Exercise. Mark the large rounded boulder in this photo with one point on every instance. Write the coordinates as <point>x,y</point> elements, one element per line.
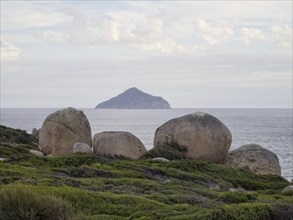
<point>204,136</point>
<point>255,158</point>
<point>117,143</point>
<point>62,129</point>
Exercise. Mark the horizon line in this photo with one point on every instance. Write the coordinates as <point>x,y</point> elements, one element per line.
<point>291,107</point>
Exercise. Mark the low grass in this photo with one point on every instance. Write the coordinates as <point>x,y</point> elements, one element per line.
<point>18,202</point>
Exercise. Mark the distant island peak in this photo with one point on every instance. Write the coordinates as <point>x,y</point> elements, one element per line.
<point>133,98</point>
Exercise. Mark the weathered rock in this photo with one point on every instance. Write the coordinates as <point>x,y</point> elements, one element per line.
<point>213,186</point>
<point>118,144</point>
<point>255,158</point>
<point>35,133</point>
<point>288,190</point>
<point>160,159</point>
<point>36,153</point>
<point>204,136</point>
<point>82,147</point>
<point>157,175</point>
<point>62,129</point>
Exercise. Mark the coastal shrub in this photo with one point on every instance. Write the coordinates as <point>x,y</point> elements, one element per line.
<point>88,172</point>
<point>22,149</point>
<point>17,136</point>
<point>74,160</point>
<point>234,176</point>
<point>9,179</point>
<point>82,216</point>
<point>254,211</point>
<point>282,212</point>
<point>133,186</point>
<point>288,193</point>
<point>251,181</point>
<point>21,203</point>
<point>7,150</point>
<point>172,151</point>
<point>105,202</point>
<point>236,197</point>
<point>102,188</point>
<point>178,211</point>
<point>23,138</point>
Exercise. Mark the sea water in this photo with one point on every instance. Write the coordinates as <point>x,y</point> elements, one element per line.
<point>271,128</point>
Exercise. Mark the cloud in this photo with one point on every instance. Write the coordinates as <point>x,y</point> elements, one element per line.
<point>214,33</point>
<point>25,14</point>
<point>9,52</point>
<point>280,35</point>
<point>53,36</point>
<point>150,26</point>
<point>229,10</point>
<point>166,46</point>
<point>91,30</point>
<point>121,27</point>
<point>249,34</point>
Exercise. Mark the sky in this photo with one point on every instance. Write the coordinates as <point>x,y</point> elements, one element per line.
<point>195,54</point>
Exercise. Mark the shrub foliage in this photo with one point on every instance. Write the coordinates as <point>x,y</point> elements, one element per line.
<point>21,203</point>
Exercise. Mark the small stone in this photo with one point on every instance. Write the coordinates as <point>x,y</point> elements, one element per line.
<point>166,181</point>
<point>82,147</point>
<point>214,186</point>
<point>160,159</point>
<point>238,189</point>
<point>37,153</point>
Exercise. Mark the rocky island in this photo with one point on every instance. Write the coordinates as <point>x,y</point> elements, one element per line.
<point>134,98</point>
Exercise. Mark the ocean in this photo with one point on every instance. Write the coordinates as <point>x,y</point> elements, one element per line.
<point>271,128</point>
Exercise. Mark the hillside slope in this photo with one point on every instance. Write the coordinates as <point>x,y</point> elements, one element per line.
<point>94,187</point>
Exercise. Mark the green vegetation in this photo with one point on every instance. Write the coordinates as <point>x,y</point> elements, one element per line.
<point>237,197</point>
<point>18,202</point>
<point>84,187</point>
<point>17,136</point>
<point>172,151</point>
<point>243,211</point>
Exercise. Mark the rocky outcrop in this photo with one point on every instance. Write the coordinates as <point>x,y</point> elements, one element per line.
<point>255,158</point>
<point>37,153</point>
<point>62,129</point>
<point>35,133</point>
<point>83,148</point>
<point>133,98</point>
<point>118,144</point>
<point>204,136</point>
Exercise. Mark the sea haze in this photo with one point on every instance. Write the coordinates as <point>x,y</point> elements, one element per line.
<point>271,128</point>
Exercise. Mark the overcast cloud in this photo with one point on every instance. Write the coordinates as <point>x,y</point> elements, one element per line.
<point>194,54</point>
